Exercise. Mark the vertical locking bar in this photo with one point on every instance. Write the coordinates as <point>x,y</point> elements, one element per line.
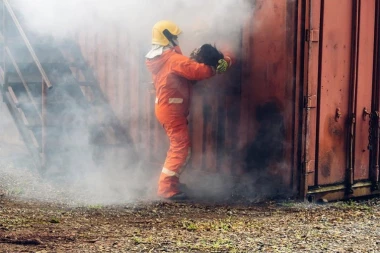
<point>353,96</point>
<point>375,152</point>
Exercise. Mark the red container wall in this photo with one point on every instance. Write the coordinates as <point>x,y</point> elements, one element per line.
<point>340,54</point>
<point>334,91</point>
<point>119,65</point>
<point>364,90</point>
<point>220,142</point>
<point>270,92</point>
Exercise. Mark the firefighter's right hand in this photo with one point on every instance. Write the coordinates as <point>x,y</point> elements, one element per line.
<point>222,66</point>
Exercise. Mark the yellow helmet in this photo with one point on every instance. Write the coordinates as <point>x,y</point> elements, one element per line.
<point>159,36</point>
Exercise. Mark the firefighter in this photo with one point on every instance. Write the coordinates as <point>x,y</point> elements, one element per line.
<point>173,76</point>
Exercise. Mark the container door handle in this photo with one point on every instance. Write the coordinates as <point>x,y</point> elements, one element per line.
<point>365,113</point>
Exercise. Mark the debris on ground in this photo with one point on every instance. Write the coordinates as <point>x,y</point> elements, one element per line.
<point>36,216</point>
<point>183,227</point>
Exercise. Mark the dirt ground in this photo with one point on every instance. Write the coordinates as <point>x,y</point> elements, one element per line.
<point>37,215</point>
<point>29,226</point>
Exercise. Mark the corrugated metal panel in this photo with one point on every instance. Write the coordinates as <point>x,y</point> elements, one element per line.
<point>213,123</point>
<point>364,90</point>
<point>335,78</point>
<point>269,92</point>
<point>340,75</point>
<point>119,64</point>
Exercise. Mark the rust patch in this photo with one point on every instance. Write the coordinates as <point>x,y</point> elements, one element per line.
<point>335,129</point>
<point>334,133</point>
<point>326,164</point>
<point>269,144</point>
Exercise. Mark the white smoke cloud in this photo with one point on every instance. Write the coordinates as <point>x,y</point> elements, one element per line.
<point>203,21</point>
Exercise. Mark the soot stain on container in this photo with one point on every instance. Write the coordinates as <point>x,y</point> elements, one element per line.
<point>335,129</point>
<point>335,133</point>
<point>326,162</point>
<point>268,146</point>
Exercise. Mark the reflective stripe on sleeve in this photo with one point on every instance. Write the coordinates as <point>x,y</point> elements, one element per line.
<point>175,100</point>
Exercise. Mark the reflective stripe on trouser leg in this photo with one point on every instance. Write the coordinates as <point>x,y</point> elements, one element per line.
<point>169,172</point>
<point>177,157</point>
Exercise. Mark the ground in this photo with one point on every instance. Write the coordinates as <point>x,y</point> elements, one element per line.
<point>31,226</point>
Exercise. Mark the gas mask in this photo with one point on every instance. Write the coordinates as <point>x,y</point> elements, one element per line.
<point>207,54</point>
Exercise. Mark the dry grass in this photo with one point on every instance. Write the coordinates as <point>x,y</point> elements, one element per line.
<point>190,227</point>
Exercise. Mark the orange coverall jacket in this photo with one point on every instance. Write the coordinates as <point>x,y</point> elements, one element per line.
<point>173,74</point>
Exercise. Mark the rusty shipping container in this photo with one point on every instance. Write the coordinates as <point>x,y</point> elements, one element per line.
<point>298,114</point>
<point>301,107</point>
<point>342,84</point>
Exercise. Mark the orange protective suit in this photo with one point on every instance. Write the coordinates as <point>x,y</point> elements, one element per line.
<point>173,76</point>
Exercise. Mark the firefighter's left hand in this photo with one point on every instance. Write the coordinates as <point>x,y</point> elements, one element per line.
<point>222,66</point>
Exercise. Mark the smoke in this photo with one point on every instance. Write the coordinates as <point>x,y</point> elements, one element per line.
<point>201,21</point>
<point>80,170</point>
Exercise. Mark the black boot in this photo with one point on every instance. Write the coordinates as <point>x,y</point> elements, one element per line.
<point>179,197</point>
<point>183,188</point>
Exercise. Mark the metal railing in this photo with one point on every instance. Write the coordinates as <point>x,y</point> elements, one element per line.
<point>27,43</point>
<point>45,80</point>
<point>22,80</point>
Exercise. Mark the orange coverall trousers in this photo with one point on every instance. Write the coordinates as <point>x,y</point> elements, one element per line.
<point>177,157</point>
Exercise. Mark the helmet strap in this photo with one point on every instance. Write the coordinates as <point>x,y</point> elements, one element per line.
<point>169,36</point>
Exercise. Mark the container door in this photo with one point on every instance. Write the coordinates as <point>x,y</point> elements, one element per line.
<point>365,70</point>
<point>340,44</point>
<point>335,88</point>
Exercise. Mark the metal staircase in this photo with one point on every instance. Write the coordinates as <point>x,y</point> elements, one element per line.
<point>54,97</point>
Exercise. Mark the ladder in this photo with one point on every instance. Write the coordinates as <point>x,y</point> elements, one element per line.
<point>54,98</point>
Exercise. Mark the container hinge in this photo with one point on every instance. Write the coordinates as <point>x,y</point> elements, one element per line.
<point>310,101</point>
<point>312,35</point>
